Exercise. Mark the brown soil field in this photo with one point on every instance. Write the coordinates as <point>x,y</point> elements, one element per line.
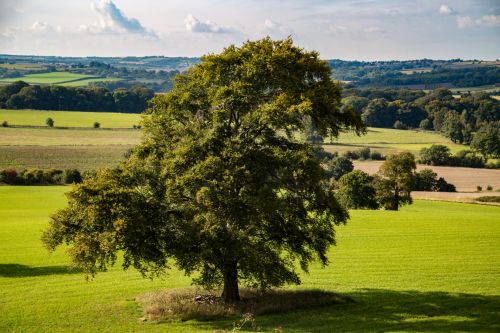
<point>464,179</point>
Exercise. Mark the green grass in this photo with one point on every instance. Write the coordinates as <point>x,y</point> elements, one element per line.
<point>70,118</point>
<point>67,137</point>
<point>431,267</point>
<point>61,78</point>
<point>85,82</point>
<point>391,140</point>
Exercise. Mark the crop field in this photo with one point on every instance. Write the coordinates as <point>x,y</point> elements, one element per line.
<point>24,66</point>
<point>388,140</point>
<point>413,270</point>
<point>465,179</point>
<point>62,78</point>
<point>82,149</point>
<point>70,118</point>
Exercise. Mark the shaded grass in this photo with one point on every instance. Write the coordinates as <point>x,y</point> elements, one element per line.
<point>61,157</point>
<point>186,304</point>
<point>48,78</point>
<point>70,118</point>
<point>432,266</point>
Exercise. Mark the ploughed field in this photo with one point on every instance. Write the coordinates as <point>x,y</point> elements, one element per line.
<point>433,266</point>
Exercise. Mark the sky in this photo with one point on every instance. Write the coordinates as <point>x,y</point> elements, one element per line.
<point>338,29</point>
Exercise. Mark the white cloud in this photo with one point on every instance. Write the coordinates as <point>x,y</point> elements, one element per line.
<point>490,20</point>
<point>486,20</point>
<point>273,29</point>
<point>112,20</point>
<point>194,25</point>
<point>373,30</point>
<point>465,22</point>
<point>446,10</point>
<point>39,27</point>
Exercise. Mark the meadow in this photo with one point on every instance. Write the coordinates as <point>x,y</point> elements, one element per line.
<point>418,269</point>
<point>70,118</point>
<point>388,140</point>
<point>61,78</point>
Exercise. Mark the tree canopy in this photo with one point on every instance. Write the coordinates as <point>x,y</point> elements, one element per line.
<point>219,186</point>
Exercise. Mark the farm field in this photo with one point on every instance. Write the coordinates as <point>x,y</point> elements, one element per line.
<point>413,270</point>
<point>70,118</point>
<point>465,179</point>
<point>388,140</point>
<point>83,149</point>
<point>62,78</point>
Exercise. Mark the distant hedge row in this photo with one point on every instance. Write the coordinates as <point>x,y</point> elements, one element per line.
<point>40,177</point>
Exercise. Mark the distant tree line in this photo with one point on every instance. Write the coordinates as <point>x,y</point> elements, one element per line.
<point>20,95</point>
<point>456,118</point>
<point>35,176</point>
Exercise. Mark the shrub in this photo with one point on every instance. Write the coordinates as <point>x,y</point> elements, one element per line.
<point>5,123</point>
<point>426,124</point>
<point>8,176</point>
<point>400,125</point>
<point>489,188</point>
<point>443,186</point>
<point>376,156</point>
<point>97,125</point>
<point>435,155</point>
<point>479,188</point>
<point>489,199</point>
<point>352,155</point>
<point>338,166</point>
<point>50,122</point>
<point>72,176</point>
<point>364,153</point>
<point>469,159</point>
<point>356,191</point>
<point>425,180</point>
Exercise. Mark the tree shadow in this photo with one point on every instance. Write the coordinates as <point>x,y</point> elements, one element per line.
<point>17,270</point>
<point>378,310</point>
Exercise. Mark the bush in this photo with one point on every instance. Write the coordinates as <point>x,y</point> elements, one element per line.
<point>435,155</point>
<point>493,165</point>
<point>400,125</point>
<point>72,176</point>
<point>352,155</point>
<point>50,122</point>
<point>376,156</point>
<point>5,124</point>
<point>426,124</point>
<point>364,153</point>
<point>427,180</point>
<point>8,176</point>
<point>338,166</point>
<point>97,125</point>
<point>479,188</point>
<point>489,199</point>
<point>356,191</point>
<point>469,159</point>
<point>489,188</point>
<point>443,186</point>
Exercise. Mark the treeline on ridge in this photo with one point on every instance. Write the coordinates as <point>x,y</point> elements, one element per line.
<point>20,95</point>
<point>456,118</point>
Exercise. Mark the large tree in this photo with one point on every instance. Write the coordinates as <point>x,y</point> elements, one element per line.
<point>219,186</point>
<point>487,140</point>
<point>395,180</point>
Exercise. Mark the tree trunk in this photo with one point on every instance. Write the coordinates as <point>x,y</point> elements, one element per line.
<point>231,292</point>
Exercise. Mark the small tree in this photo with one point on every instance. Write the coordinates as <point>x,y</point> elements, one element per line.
<point>5,123</point>
<point>220,185</point>
<point>338,166</point>
<point>356,191</point>
<point>395,180</point>
<point>487,140</point>
<point>49,122</point>
<point>97,125</point>
<point>435,155</point>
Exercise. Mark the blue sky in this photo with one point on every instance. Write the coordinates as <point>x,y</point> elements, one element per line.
<point>358,29</point>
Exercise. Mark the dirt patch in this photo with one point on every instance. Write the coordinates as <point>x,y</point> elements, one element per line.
<point>464,179</point>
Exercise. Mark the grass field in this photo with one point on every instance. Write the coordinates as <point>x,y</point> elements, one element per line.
<point>388,140</point>
<point>413,270</point>
<point>70,118</point>
<point>61,78</point>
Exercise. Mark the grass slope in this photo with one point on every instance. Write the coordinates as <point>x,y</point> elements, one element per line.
<point>391,140</point>
<point>413,270</point>
<point>70,118</point>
